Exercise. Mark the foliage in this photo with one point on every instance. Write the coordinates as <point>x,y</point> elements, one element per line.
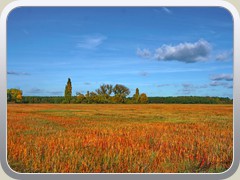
<point>14,95</point>
<point>136,96</point>
<point>190,100</point>
<point>80,98</point>
<point>105,90</point>
<point>143,99</point>
<point>120,93</point>
<point>43,99</point>
<point>109,94</point>
<point>68,91</point>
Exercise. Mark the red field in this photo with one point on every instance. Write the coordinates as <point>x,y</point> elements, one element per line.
<point>119,138</point>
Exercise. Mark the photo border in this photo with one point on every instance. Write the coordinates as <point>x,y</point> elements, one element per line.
<point>126,3</point>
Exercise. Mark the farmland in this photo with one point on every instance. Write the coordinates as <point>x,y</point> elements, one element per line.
<point>119,138</point>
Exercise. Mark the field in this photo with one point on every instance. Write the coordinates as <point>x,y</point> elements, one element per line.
<point>120,138</point>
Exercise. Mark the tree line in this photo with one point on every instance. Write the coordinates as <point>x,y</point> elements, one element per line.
<point>190,100</point>
<point>105,94</point>
<point>110,94</point>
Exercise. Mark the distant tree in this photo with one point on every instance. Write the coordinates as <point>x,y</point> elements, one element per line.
<point>87,97</point>
<point>9,96</point>
<point>136,96</point>
<point>105,90</point>
<point>120,93</point>
<point>68,91</point>
<point>93,97</point>
<point>143,99</point>
<point>80,97</point>
<point>14,95</point>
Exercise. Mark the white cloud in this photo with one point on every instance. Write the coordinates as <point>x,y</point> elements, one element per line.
<point>220,77</point>
<point>220,83</point>
<point>17,73</point>
<point>188,88</point>
<point>217,83</point>
<point>167,10</point>
<point>145,53</point>
<point>183,52</point>
<point>91,42</point>
<point>226,55</point>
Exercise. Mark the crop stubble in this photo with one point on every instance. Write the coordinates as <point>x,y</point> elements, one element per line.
<point>119,138</point>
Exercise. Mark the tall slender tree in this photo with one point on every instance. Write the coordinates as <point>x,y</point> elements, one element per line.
<point>68,91</point>
<point>136,96</point>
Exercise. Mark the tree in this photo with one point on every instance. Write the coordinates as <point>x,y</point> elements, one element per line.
<point>68,91</point>
<point>104,92</point>
<point>87,97</point>
<point>121,92</point>
<point>143,99</point>
<point>14,95</point>
<point>80,97</point>
<point>93,97</point>
<point>136,96</point>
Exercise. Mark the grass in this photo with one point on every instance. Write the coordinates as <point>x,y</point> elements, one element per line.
<point>161,138</point>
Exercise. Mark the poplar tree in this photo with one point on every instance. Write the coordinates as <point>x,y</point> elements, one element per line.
<point>68,91</point>
<point>136,96</point>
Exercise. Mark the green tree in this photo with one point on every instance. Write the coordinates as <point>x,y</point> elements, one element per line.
<point>136,96</point>
<point>68,91</point>
<point>143,99</point>
<point>120,93</point>
<point>87,96</point>
<point>80,97</point>
<point>93,97</point>
<point>104,92</point>
<point>14,95</point>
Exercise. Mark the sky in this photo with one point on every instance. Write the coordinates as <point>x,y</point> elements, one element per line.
<point>163,51</point>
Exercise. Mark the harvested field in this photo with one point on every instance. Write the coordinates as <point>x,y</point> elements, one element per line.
<point>119,138</point>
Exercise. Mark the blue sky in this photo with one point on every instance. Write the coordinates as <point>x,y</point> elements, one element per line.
<point>164,51</point>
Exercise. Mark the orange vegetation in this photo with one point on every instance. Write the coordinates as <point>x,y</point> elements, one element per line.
<point>120,138</point>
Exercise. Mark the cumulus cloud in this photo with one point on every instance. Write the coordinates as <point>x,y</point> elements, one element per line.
<point>227,55</point>
<point>224,80</point>
<point>183,52</point>
<point>91,42</point>
<point>17,73</point>
<point>222,77</point>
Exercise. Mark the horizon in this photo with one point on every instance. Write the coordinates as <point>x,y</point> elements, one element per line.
<point>163,51</point>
